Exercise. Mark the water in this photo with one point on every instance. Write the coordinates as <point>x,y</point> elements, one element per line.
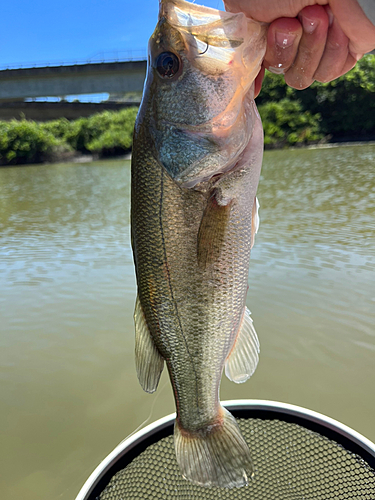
<point>69,392</point>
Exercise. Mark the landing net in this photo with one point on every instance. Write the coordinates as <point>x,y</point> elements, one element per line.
<point>294,459</point>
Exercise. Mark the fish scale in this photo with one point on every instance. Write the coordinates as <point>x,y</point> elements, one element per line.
<point>192,226</point>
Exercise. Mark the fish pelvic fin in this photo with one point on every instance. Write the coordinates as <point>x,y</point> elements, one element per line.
<point>244,356</point>
<point>216,455</point>
<point>148,361</point>
<point>212,231</point>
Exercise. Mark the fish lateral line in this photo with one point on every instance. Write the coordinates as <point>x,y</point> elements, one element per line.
<point>162,173</point>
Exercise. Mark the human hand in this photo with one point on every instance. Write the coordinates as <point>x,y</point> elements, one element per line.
<point>310,42</point>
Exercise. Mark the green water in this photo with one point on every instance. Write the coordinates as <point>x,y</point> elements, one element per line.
<point>69,392</point>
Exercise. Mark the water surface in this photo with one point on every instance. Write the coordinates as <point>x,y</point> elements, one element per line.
<point>68,388</point>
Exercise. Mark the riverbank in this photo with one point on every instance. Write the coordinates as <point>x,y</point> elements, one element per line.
<point>81,158</point>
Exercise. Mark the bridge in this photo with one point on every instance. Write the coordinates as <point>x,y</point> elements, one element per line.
<point>20,84</point>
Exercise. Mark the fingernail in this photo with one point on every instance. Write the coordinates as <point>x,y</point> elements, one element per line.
<point>284,40</point>
<point>277,70</point>
<point>309,26</point>
<point>355,54</point>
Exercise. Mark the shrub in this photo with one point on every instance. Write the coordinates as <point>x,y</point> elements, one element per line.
<point>58,128</point>
<point>27,142</point>
<point>346,105</point>
<point>285,123</point>
<point>103,133</point>
<point>114,135</point>
<point>106,133</point>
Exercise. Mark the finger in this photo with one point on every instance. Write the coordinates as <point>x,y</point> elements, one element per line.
<point>335,53</point>
<point>268,11</point>
<point>283,39</point>
<point>314,20</point>
<point>356,26</point>
<point>258,82</point>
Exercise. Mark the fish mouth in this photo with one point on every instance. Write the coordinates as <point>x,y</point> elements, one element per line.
<point>227,38</point>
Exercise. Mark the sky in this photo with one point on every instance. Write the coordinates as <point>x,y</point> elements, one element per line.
<point>42,31</point>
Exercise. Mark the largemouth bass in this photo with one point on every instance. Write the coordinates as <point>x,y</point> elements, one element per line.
<point>196,161</point>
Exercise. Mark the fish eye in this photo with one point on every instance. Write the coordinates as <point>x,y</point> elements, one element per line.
<point>167,64</point>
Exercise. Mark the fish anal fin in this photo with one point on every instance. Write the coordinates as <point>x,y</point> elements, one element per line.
<point>216,455</point>
<point>212,231</point>
<point>148,361</point>
<point>244,356</point>
<point>254,221</point>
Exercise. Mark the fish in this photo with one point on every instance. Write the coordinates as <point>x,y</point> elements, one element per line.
<point>196,160</point>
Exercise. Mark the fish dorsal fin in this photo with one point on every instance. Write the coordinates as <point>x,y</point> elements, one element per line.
<point>254,221</point>
<point>243,358</point>
<point>148,361</point>
<point>212,232</point>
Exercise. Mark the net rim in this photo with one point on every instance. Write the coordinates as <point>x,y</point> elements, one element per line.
<point>253,405</point>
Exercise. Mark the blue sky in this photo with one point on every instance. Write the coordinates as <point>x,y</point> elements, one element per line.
<point>51,31</point>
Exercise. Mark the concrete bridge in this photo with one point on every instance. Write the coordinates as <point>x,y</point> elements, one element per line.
<point>16,85</point>
<point>60,81</point>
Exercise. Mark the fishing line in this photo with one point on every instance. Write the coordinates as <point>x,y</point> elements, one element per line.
<point>150,414</point>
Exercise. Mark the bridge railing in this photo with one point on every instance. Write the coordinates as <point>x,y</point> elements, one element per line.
<point>97,58</point>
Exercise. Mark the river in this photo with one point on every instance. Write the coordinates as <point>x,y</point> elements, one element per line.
<point>69,393</point>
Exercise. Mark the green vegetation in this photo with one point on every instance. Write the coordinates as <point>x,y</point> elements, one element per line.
<point>106,134</point>
<point>26,142</point>
<point>286,123</point>
<point>340,110</point>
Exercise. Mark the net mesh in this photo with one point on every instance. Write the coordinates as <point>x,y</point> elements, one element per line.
<point>291,463</point>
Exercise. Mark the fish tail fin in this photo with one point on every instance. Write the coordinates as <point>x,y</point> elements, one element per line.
<point>216,455</point>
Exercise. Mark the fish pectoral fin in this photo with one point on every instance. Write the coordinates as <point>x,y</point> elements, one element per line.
<point>216,455</point>
<point>244,356</point>
<point>254,221</point>
<point>148,361</point>
<point>212,231</point>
